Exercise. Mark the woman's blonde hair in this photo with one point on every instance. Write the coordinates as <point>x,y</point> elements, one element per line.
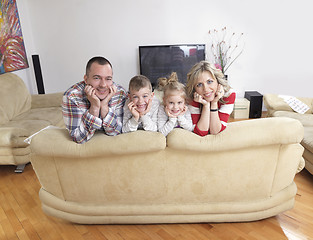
<point>198,69</point>
<point>171,84</point>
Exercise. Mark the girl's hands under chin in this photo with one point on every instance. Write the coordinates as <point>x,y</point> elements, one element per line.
<point>168,113</point>
<point>183,111</point>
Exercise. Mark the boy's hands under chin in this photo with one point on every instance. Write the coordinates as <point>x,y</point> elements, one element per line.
<point>147,109</point>
<point>133,109</point>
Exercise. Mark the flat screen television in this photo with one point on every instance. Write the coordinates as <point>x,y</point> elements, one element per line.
<point>162,60</point>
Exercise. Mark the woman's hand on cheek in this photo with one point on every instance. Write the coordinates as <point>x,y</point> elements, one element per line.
<point>198,98</point>
<point>219,93</point>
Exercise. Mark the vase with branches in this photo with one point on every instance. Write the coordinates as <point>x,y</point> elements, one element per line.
<point>224,48</point>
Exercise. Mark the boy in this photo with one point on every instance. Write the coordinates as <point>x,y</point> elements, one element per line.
<point>141,107</point>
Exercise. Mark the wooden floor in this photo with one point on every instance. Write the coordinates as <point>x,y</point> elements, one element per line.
<point>21,217</point>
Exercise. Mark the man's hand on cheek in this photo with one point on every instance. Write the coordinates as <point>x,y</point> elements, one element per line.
<point>91,95</point>
<point>93,99</point>
<point>112,91</point>
<point>105,102</point>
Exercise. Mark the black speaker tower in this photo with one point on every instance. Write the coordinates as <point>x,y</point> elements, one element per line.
<point>256,102</point>
<point>38,74</point>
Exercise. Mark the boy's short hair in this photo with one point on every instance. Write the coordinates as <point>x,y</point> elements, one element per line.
<point>138,82</point>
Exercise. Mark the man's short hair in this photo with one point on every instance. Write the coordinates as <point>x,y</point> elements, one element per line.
<point>99,60</point>
<point>138,82</point>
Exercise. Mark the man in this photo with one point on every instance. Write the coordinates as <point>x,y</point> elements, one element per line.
<point>95,103</point>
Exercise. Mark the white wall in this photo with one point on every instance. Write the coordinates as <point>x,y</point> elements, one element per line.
<point>27,74</point>
<point>65,34</point>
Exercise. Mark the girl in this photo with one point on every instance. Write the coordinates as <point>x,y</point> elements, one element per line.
<point>174,111</point>
<point>212,98</point>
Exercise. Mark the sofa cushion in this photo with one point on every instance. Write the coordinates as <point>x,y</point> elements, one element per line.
<point>138,142</point>
<point>275,103</point>
<point>31,125</point>
<point>269,131</point>
<point>307,141</point>
<point>305,119</point>
<point>53,115</point>
<point>14,97</point>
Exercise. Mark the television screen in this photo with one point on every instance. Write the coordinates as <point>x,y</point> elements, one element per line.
<point>161,61</point>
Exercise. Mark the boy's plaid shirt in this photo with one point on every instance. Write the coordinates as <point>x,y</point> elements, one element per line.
<point>81,124</point>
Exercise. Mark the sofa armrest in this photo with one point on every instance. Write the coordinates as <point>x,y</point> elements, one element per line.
<point>13,137</point>
<point>47,100</point>
<point>241,134</point>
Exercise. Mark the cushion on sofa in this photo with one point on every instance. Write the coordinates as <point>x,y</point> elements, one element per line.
<point>47,100</point>
<point>305,119</point>
<point>53,115</point>
<point>12,137</point>
<point>14,97</point>
<point>100,144</point>
<point>269,131</point>
<point>307,141</point>
<point>32,126</point>
<point>275,103</point>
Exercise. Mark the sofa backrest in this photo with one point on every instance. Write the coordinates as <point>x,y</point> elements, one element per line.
<point>14,97</point>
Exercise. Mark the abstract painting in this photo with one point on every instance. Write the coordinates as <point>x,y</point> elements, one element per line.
<point>12,49</point>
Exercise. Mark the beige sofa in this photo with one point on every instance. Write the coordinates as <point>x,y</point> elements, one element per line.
<point>277,107</point>
<point>244,173</point>
<point>21,115</point>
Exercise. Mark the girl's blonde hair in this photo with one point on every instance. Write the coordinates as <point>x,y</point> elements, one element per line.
<point>198,69</point>
<point>171,84</point>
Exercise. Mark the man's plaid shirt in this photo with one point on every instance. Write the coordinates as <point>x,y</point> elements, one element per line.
<point>81,124</point>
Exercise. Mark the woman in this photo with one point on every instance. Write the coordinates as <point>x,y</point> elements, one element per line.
<point>212,99</point>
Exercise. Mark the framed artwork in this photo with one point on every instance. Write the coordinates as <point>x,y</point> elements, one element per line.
<point>12,49</point>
